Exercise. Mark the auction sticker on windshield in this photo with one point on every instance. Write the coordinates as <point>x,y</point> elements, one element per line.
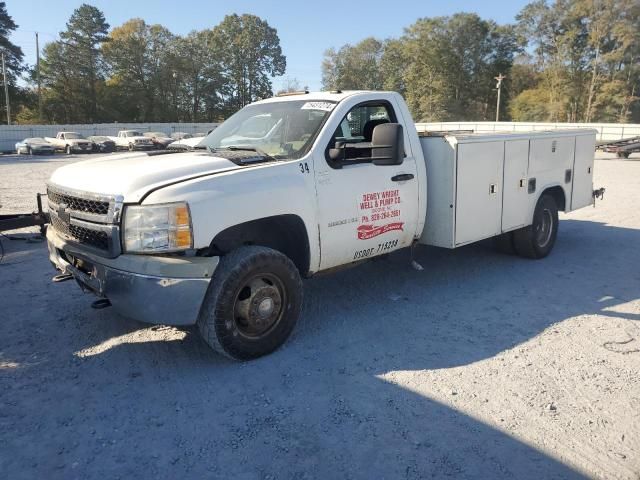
<point>324,106</point>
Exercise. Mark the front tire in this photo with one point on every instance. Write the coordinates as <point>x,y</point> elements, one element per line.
<point>131,147</point>
<point>252,304</point>
<point>537,240</point>
<point>29,151</point>
<point>67,150</point>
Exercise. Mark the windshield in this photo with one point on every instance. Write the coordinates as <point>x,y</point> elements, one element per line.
<point>283,130</point>
<point>71,136</point>
<point>133,133</point>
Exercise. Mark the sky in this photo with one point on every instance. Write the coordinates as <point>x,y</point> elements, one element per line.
<point>306,29</point>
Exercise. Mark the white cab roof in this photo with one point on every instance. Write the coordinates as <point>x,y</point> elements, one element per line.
<point>334,96</point>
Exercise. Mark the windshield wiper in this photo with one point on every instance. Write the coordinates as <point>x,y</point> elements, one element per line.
<point>247,148</point>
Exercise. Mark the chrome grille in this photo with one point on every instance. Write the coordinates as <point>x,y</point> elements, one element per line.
<point>82,235</point>
<point>87,219</point>
<point>86,205</point>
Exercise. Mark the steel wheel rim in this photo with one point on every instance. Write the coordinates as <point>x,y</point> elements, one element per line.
<point>544,228</point>
<point>258,306</point>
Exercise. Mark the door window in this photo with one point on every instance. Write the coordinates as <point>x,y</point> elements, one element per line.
<point>355,132</point>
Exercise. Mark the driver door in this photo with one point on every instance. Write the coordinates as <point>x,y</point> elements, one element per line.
<point>364,209</point>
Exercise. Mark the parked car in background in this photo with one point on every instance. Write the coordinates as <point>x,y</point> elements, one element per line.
<point>159,139</point>
<point>102,144</point>
<point>132,140</point>
<point>70,142</point>
<point>180,135</point>
<point>33,146</point>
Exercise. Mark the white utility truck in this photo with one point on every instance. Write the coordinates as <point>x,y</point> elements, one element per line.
<point>221,236</point>
<point>132,140</point>
<point>70,142</point>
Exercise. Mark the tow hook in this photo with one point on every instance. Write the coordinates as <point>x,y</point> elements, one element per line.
<point>101,303</point>
<point>63,277</point>
<point>598,194</point>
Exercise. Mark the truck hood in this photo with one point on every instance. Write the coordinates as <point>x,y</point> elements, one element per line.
<point>135,174</point>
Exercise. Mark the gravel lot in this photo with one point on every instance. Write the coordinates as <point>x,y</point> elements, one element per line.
<point>481,366</point>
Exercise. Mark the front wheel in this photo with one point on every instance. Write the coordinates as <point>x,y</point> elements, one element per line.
<point>252,304</point>
<point>67,150</point>
<point>29,151</point>
<point>131,147</point>
<point>537,240</point>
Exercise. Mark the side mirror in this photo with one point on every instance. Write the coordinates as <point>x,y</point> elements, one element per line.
<point>337,153</point>
<point>387,144</point>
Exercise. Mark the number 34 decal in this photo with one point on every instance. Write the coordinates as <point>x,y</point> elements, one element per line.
<point>304,167</point>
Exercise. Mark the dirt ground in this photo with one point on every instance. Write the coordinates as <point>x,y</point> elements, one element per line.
<point>481,366</point>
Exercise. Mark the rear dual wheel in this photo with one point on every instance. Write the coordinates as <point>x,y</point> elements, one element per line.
<point>536,240</point>
<point>252,304</point>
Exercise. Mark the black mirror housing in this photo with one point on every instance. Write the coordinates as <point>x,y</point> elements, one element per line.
<point>387,144</point>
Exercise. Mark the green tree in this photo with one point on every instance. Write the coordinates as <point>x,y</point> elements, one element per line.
<point>586,54</point>
<point>250,53</point>
<point>137,58</point>
<point>354,67</point>
<point>60,84</point>
<point>449,65</point>
<point>13,61</point>
<point>86,31</point>
<point>202,86</point>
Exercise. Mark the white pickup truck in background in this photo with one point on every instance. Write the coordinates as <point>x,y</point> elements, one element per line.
<point>292,186</point>
<point>132,140</point>
<point>70,142</point>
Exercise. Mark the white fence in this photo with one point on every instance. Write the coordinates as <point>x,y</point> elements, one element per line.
<point>10,134</point>
<point>606,131</point>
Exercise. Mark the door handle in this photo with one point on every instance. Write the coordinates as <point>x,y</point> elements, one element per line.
<point>403,177</point>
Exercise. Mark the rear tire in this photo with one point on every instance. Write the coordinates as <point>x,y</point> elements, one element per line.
<point>537,240</point>
<point>252,304</point>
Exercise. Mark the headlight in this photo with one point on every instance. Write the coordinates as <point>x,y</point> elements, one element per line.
<point>157,228</point>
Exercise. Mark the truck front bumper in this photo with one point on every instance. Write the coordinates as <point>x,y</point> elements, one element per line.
<point>148,288</point>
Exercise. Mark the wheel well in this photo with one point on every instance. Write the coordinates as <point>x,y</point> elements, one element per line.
<point>285,233</point>
<point>558,195</point>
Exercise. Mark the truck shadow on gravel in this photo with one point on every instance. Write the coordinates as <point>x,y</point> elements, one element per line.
<point>125,399</point>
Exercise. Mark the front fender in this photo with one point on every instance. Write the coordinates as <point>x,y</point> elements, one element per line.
<point>225,199</point>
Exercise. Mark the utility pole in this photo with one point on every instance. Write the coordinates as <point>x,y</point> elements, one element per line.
<point>6,90</point>
<point>38,75</point>
<point>499,78</point>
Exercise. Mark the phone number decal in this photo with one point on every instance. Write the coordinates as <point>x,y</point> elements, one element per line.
<point>374,208</point>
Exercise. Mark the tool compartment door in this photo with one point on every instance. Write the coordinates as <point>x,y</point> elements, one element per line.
<point>582,192</point>
<point>479,187</point>
<point>515,200</point>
